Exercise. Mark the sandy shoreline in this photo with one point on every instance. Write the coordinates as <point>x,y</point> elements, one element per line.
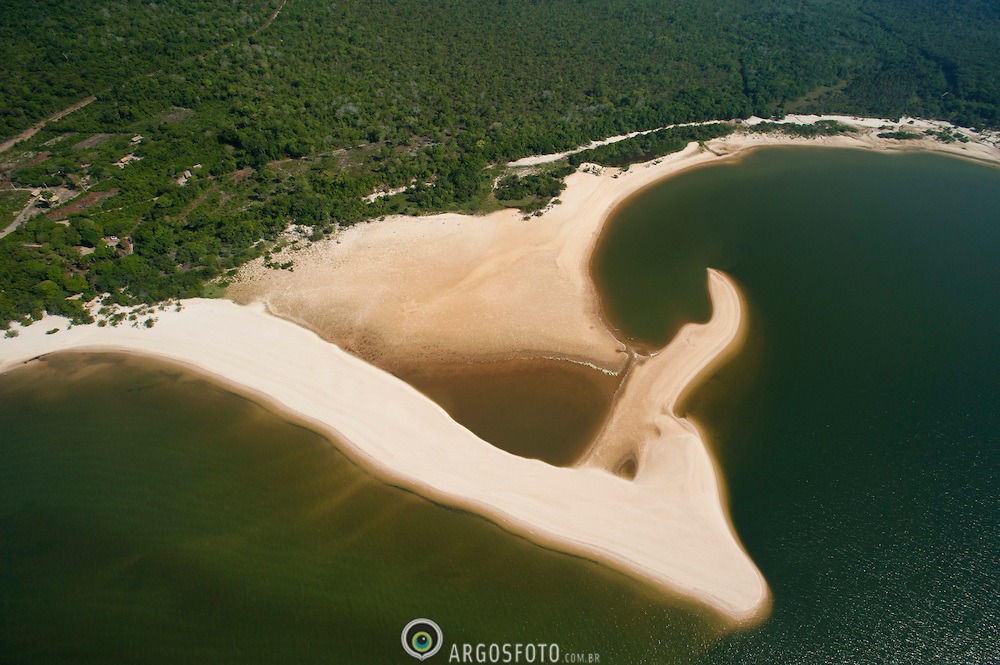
<point>454,286</point>
<point>668,526</point>
<point>414,290</point>
<point>645,412</point>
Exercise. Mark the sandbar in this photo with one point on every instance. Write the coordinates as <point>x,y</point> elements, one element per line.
<point>668,526</point>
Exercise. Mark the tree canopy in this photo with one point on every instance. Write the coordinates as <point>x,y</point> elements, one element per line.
<point>298,119</point>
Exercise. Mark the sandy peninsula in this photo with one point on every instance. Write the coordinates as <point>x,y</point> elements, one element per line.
<point>420,289</point>
<point>644,417</point>
<point>447,286</point>
<point>667,526</point>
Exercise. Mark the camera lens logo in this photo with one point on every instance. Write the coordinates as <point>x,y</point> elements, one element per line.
<point>422,638</point>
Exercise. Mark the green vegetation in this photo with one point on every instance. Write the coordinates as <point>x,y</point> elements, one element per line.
<point>534,191</point>
<point>58,52</point>
<point>936,59</point>
<point>250,126</point>
<point>649,146</point>
<point>821,128</point>
<point>11,203</point>
<point>947,135</point>
<point>900,135</point>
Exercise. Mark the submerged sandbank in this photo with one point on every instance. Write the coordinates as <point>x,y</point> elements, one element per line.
<point>667,526</point>
<point>540,408</point>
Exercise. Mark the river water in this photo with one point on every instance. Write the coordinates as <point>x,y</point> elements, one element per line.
<point>147,515</point>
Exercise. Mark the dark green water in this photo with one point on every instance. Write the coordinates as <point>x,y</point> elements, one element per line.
<point>149,516</point>
<point>860,432</point>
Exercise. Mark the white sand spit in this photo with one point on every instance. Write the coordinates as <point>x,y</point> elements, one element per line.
<point>644,420</point>
<point>668,526</point>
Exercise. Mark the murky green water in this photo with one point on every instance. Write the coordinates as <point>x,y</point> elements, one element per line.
<point>149,516</point>
<point>859,432</point>
<point>543,409</point>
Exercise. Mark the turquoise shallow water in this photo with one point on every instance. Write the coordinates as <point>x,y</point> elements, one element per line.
<point>149,516</point>
<point>859,431</point>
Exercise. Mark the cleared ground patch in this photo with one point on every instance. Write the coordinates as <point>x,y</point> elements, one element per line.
<point>92,142</point>
<point>176,114</point>
<point>81,203</point>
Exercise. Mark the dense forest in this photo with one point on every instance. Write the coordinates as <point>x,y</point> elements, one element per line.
<point>218,125</point>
